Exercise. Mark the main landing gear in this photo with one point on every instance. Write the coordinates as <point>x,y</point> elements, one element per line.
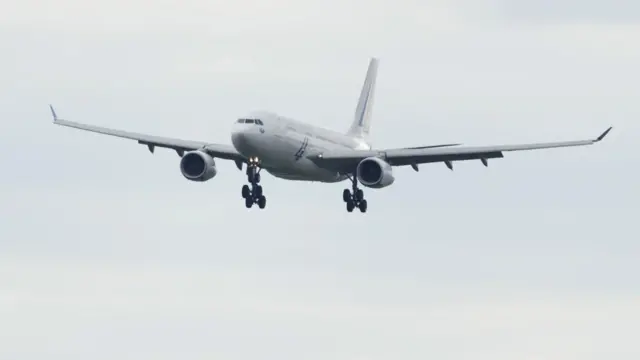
<point>354,198</point>
<point>253,195</point>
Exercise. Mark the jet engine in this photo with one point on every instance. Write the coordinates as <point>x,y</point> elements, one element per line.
<point>374,172</point>
<point>198,166</point>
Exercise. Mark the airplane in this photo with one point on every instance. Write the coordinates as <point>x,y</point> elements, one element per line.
<point>293,150</point>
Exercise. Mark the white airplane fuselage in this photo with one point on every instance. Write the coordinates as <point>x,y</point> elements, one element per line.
<point>283,144</point>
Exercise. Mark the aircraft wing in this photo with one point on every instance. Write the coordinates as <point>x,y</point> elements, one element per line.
<point>180,146</point>
<point>346,161</point>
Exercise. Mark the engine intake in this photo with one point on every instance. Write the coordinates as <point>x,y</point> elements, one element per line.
<point>374,172</point>
<point>198,166</point>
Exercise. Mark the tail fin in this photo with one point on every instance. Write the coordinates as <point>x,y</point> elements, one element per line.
<point>362,117</point>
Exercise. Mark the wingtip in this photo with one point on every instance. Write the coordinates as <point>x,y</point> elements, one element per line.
<point>604,134</point>
<point>53,113</point>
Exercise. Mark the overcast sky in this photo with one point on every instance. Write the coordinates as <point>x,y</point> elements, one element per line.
<point>107,252</point>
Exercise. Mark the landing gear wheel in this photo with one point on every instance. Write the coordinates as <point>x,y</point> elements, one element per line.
<point>350,206</point>
<point>346,195</point>
<point>246,192</point>
<point>262,202</point>
<point>363,206</point>
<point>354,198</point>
<point>248,202</point>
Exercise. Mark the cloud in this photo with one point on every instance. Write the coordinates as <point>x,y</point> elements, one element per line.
<point>247,17</point>
<point>146,301</point>
<point>573,11</point>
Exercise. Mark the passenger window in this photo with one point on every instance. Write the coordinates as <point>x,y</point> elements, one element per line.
<point>248,121</point>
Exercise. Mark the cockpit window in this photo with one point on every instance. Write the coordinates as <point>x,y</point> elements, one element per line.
<point>250,121</point>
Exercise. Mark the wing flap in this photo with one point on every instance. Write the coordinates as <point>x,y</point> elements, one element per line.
<point>401,160</point>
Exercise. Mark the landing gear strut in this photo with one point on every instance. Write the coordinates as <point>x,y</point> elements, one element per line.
<point>253,195</point>
<point>355,197</point>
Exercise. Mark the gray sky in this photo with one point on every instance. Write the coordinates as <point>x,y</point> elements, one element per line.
<point>106,252</point>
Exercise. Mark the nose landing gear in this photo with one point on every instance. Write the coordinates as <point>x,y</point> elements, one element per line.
<point>253,194</point>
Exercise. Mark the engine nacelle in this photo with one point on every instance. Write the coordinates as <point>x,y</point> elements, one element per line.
<point>198,166</point>
<point>374,172</point>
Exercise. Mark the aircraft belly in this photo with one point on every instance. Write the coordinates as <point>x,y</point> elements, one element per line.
<point>296,174</point>
<point>281,157</point>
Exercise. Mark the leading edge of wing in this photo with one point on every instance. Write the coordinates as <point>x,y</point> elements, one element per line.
<point>216,150</point>
<point>409,156</point>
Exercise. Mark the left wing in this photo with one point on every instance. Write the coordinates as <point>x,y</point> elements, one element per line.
<point>179,145</point>
<point>346,161</point>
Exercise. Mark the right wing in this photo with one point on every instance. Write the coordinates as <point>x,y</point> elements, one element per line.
<point>346,161</point>
<point>180,146</point>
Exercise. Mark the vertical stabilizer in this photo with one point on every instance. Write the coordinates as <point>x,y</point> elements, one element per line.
<point>362,117</point>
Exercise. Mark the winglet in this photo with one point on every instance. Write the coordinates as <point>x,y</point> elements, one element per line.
<point>603,134</point>
<point>53,113</point>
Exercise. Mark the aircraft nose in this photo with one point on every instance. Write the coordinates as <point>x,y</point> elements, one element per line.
<point>238,138</point>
